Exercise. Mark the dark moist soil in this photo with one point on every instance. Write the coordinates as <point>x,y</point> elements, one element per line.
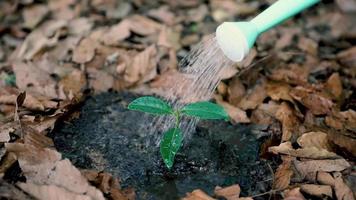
<point>109,137</point>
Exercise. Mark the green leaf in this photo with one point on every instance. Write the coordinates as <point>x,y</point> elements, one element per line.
<point>205,110</point>
<point>150,105</point>
<point>170,144</point>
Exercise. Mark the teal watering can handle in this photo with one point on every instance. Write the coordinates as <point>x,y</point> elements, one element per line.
<point>280,11</point>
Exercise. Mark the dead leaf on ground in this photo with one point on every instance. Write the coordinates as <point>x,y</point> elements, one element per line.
<point>343,141</point>
<point>317,190</point>
<point>315,139</point>
<point>33,15</point>
<point>85,51</point>
<point>163,14</point>
<point>293,74</point>
<point>254,97</point>
<point>290,123</point>
<point>283,174</point>
<point>342,191</point>
<point>334,85</point>
<point>308,152</point>
<point>294,194</point>
<point>32,79</point>
<point>348,57</point>
<point>342,120</point>
<point>116,33</point>
<point>197,195</point>
<point>236,114</point>
<point>73,83</point>
<point>100,80</point>
<point>229,193</point>
<point>308,169</point>
<point>316,102</point>
<point>325,178</point>
<point>235,91</point>
<point>143,26</point>
<point>308,45</point>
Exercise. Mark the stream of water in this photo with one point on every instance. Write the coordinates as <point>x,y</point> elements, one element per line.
<point>202,69</point>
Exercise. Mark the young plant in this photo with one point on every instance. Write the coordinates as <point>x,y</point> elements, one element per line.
<point>173,138</point>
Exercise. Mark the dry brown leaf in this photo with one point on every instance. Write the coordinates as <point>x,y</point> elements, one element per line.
<point>308,152</point>
<point>283,174</point>
<point>73,83</point>
<point>316,102</point>
<point>347,5</point>
<point>228,72</point>
<point>85,51</point>
<point>342,191</point>
<point>254,97</point>
<point>235,91</point>
<point>236,114</point>
<point>343,141</point>
<point>40,39</point>
<point>294,74</point>
<point>308,45</point>
<point>143,26</point>
<point>33,15</point>
<point>51,192</point>
<point>163,14</point>
<point>308,169</point>
<point>290,123</point>
<point>314,139</point>
<point>116,33</point>
<point>229,193</point>
<point>197,195</point>
<point>348,57</point>
<point>293,194</point>
<point>279,91</point>
<point>43,166</point>
<point>325,178</point>
<point>317,190</point>
<point>142,67</point>
<point>32,79</point>
<point>100,80</point>
<point>334,85</point>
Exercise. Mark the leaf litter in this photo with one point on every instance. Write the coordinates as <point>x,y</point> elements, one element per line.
<point>299,83</point>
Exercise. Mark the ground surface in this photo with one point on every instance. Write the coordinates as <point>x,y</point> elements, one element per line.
<point>297,85</point>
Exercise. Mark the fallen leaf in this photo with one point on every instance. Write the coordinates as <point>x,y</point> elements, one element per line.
<point>308,45</point>
<point>236,114</point>
<point>290,123</point>
<point>334,85</point>
<point>197,195</point>
<point>143,26</point>
<point>308,152</point>
<point>100,80</point>
<point>142,67</point>
<point>34,14</point>
<point>85,51</point>
<point>116,33</point>
<point>254,97</point>
<point>294,194</point>
<point>235,91</point>
<point>163,14</point>
<point>308,169</point>
<point>283,174</point>
<point>229,193</point>
<point>293,74</point>
<point>325,178</point>
<point>317,190</point>
<point>342,191</point>
<point>315,139</point>
<point>347,5</point>
<point>348,57</point>
<point>279,91</point>
<point>343,141</point>
<point>316,102</point>
<point>73,83</point>
<point>32,79</point>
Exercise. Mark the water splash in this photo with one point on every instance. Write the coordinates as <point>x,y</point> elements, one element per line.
<point>202,70</point>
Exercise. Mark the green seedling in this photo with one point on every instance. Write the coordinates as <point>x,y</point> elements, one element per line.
<point>173,138</point>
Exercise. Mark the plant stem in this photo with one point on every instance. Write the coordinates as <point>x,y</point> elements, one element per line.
<point>177,116</point>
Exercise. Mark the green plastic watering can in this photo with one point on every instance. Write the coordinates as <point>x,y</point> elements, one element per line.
<point>237,38</point>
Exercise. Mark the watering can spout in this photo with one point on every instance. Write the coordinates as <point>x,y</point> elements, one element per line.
<point>237,38</point>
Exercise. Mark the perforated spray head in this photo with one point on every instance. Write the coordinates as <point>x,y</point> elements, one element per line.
<point>237,38</point>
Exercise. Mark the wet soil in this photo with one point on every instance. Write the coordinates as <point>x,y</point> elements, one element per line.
<point>109,137</point>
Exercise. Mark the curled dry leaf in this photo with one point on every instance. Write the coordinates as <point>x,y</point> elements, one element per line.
<point>33,15</point>
<point>197,195</point>
<point>73,83</point>
<point>143,26</point>
<point>283,174</point>
<point>229,193</point>
<point>116,33</point>
<point>315,139</point>
<point>348,57</point>
<point>290,123</point>
<point>343,141</point>
<point>293,74</point>
<point>317,190</point>
<point>308,152</point>
<point>325,178</point>
<point>342,120</point>
<point>309,168</point>
<point>316,102</point>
